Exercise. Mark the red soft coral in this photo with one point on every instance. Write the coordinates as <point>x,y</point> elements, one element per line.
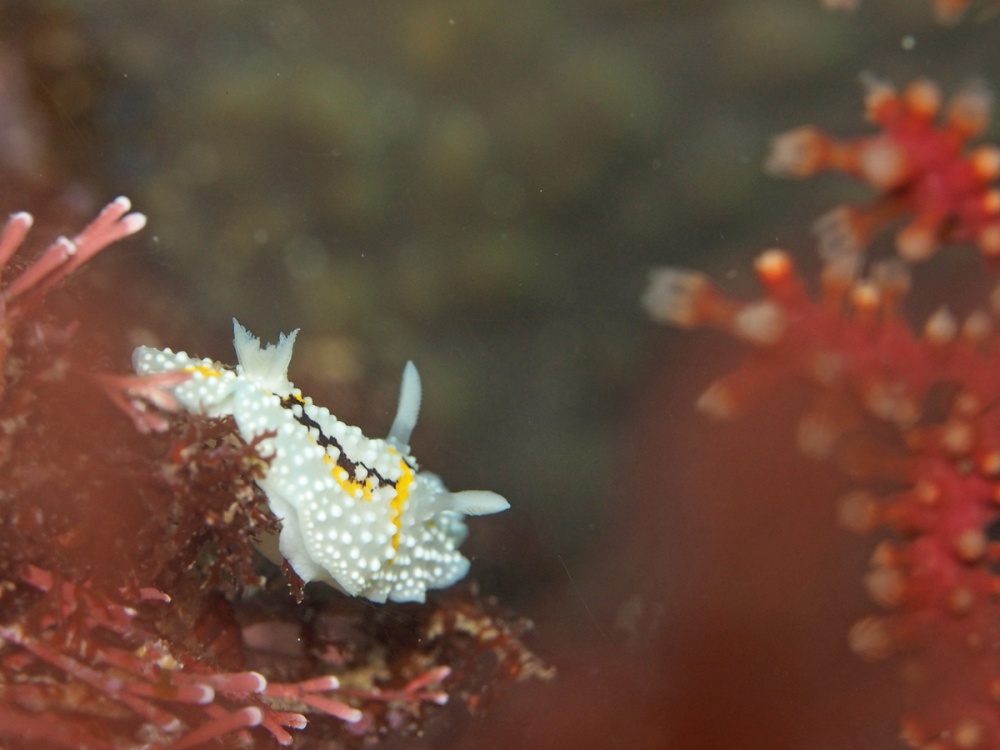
<point>922,171</point>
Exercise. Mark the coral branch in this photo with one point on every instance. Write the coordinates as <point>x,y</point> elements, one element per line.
<point>933,398</point>
<point>13,235</point>
<point>922,172</point>
<point>154,684</point>
<point>64,256</point>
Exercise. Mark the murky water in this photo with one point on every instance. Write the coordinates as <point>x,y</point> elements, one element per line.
<point>482,187</point>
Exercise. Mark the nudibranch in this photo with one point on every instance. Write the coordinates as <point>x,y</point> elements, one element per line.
<point>356,512</point>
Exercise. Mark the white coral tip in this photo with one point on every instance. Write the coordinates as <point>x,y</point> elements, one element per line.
<point>672,296</point>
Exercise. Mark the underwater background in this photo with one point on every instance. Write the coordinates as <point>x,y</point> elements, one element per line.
<point>482,187</point>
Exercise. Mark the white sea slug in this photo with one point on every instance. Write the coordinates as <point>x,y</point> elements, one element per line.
<point>355,512</point>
